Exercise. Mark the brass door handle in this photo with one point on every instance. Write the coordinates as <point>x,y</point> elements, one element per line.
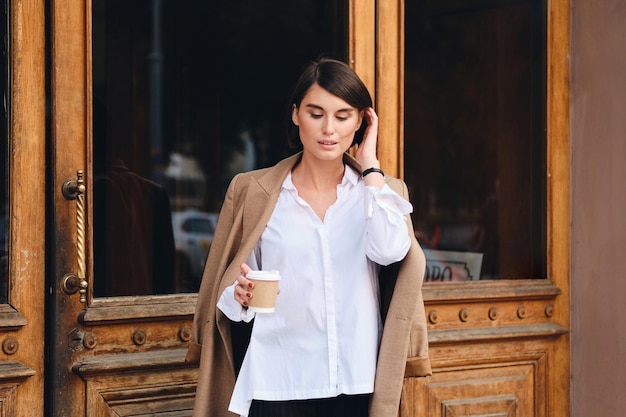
<point>75,190</point>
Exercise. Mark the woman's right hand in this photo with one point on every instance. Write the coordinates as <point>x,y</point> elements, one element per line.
<point>244,285</point>
<point>366,152</point>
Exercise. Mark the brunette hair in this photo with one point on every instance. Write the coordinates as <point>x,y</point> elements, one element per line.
<point>337,78</point>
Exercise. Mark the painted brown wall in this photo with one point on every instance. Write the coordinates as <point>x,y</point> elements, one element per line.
<point>598,261</point>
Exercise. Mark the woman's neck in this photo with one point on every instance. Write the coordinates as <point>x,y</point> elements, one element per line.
<point>318,174</point>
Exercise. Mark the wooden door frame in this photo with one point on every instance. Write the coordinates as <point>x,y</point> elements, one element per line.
<point>22,319</point>
<point>558,181</point>
<point>376,53</point>
<point>69,121</point>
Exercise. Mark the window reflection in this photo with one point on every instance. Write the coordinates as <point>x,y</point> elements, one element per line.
<point>475,137</point>
<point>186,95</point>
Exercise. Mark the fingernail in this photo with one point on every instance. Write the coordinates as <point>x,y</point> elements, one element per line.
<point>250,285</point>
<point>249,295</point>
<point>245,303</point>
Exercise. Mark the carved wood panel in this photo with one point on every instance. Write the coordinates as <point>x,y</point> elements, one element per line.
<point>505,390</point>
<point>7,400</point>
<point>507,378</point>
<point>144,384</point>
<point>14,378</point>
<point>166,398</point>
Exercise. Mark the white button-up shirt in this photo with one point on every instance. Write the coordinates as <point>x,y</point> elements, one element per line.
<point>322,340</point>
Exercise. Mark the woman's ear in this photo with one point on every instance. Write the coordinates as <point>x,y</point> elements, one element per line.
<point>360,121</point>
<point>294,115</point>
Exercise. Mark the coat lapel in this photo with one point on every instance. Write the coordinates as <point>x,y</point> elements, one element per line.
<point>261,197</point>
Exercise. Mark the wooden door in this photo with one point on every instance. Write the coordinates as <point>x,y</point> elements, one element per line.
<point>144,98</point>
<point>22,196</point>
<point>485,152</point>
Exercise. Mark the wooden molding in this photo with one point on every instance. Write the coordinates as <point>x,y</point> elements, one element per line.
<point>13,371</point>
<point>139,308</point>
<point>500,333</point>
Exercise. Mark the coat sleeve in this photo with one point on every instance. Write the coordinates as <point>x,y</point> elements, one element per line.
<point>404,344</point>
<point>418,361</point>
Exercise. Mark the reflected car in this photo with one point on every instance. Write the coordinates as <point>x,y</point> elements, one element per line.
<point>193,235</point>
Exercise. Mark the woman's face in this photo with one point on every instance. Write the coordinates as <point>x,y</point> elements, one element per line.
<point>327,123</point>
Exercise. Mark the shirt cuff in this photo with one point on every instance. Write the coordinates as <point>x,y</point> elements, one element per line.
<point>231,308</point>
<point>389,201</point>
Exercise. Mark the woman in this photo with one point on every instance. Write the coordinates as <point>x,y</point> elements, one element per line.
<point>338,231</point>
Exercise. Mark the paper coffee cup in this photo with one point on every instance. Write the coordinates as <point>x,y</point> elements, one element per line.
<point>264,292</point>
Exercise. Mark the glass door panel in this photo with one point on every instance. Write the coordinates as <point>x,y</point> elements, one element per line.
<point>186,95</point>
<point>475,137</point>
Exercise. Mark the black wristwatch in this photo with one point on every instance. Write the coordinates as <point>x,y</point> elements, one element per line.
<point>370,170</point>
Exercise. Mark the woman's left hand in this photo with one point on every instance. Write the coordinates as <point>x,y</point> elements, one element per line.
<point>366,152</point>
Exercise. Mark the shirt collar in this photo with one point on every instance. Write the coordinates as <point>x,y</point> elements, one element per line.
<point>350,176</point>
<point>288,184</point>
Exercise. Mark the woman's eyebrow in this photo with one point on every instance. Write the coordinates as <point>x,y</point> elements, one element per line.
<point>315,106</point>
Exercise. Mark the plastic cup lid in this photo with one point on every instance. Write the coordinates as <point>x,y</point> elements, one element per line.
<point>264,275</point>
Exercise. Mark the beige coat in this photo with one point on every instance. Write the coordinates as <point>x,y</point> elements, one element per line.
<point>248,205</point>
